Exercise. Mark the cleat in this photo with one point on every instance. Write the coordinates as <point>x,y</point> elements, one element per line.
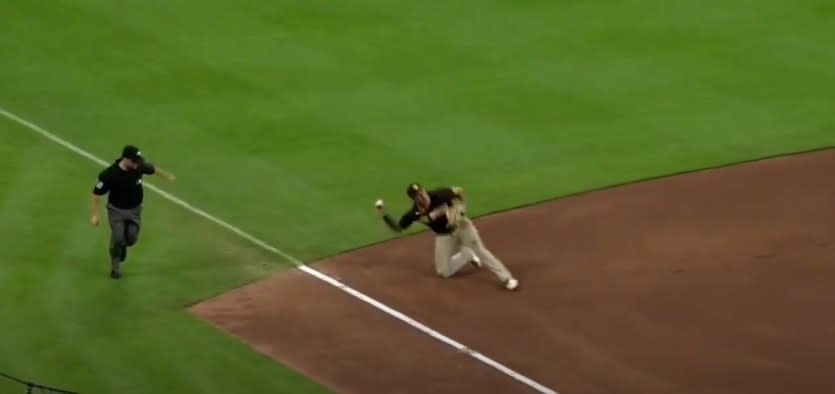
<point>115,275</point>
<point>511,284</point>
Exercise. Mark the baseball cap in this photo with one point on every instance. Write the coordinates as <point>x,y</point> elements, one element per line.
<point>132,153</point>
<point>413,189</point>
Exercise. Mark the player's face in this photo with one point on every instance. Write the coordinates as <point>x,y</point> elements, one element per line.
<point>422,199</point>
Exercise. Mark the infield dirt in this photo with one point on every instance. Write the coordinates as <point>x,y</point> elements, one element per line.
<point>719,281</point>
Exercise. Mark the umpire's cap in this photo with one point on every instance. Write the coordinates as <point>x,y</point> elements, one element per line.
<point>413,189</point>
<point>132,153</point>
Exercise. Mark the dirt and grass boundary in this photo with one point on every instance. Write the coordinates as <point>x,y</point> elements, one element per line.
<point>709,281</point>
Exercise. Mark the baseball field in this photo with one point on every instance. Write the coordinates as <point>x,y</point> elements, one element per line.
<point>285,120</point>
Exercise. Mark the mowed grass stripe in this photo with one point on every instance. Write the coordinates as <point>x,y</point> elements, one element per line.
<point>21,322</point>
<point>36,264</point>
<point>569,108</point>
<point>285,210</point>
<point>101,313</point>
<point>600,77</point>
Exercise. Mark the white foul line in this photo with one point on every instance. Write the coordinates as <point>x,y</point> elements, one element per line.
<point>299,264</point>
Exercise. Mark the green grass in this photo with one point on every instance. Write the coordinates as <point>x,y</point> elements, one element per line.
<point>289,118</point>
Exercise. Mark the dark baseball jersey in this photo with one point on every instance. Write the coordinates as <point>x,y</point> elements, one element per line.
<point>437,199</point>
<point>123,187</point>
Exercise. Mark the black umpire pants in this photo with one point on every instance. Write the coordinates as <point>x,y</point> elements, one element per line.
<point>124,232</point>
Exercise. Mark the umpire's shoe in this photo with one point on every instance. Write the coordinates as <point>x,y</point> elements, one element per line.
<point>115,274</point>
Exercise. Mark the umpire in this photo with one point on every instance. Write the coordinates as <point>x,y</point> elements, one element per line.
<point>122,183</point>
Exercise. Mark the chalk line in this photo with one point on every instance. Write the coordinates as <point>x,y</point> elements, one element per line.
<point>298,263</point>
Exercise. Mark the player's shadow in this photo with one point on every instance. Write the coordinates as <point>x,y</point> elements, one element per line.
<point>464,272</point>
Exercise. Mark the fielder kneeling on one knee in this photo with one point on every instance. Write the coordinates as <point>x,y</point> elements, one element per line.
<point>457,241</point>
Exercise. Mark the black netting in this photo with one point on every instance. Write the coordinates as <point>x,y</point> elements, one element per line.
<point>11,385</point>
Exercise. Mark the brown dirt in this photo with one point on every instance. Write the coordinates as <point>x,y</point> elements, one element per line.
<point>720,281</point>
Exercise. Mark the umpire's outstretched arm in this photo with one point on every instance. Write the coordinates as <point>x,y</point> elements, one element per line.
<point>164,174</point>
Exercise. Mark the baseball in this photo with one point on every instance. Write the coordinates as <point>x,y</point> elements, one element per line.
<point>379,203</point>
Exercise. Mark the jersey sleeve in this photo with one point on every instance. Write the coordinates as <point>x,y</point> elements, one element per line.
<point>407,219</point>
<point>147,168</point>
<point>102,186</point>
<point>457,192</point>
<point>447,195</point>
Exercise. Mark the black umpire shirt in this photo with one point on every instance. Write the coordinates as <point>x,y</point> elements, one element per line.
<point>123,187</point>
<point>438,197</point>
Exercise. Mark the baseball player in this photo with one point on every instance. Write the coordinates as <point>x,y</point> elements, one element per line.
<point>457,241</point>
<point>122,183</point>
